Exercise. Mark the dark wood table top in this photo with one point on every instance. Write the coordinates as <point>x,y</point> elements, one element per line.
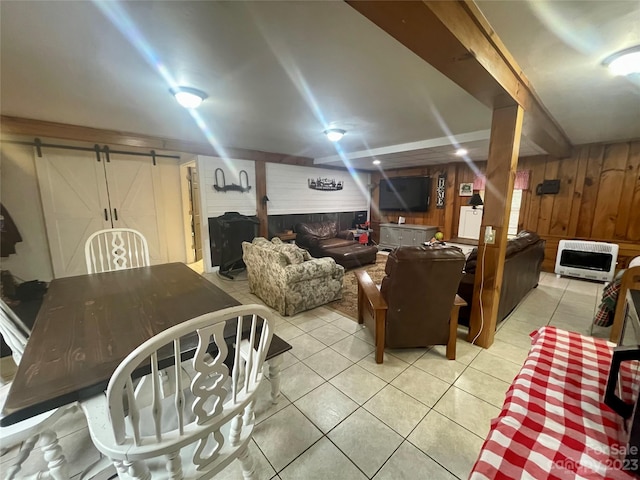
<point>89,323</point>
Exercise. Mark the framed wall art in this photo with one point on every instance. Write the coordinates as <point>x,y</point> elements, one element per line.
<point>466,189</point>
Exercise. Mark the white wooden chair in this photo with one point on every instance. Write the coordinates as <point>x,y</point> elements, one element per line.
<point>199,430</point>
<point>116,249</point>
<point>34,429</point>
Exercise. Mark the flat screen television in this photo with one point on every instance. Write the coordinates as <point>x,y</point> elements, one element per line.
<point>408,194</point>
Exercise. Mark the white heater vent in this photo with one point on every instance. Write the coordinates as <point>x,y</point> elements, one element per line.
<point>599,247</point>
<point>590,260</point>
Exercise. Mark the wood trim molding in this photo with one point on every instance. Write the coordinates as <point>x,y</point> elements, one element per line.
<point>40,128</point>
<point>456,39</point>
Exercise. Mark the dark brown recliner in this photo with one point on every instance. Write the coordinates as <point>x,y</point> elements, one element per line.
<point>322,239</point>
<point>417,304</point>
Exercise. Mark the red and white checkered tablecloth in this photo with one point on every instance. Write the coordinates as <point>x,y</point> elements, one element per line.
<point>554,424</point>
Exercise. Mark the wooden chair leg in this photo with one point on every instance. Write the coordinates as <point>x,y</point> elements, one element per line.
<point>137,470</point>
<point>361,304</point>
<point>453,332</point>
<point>274,377</point>
<point>248,467</point>
<point>381,320</point>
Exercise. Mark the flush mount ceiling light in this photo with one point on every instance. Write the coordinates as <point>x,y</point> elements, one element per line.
<point>188,97</point>
<point>624,62</point>
<point>335,134</point>
<point>461,152</point>
<point>376,162</point>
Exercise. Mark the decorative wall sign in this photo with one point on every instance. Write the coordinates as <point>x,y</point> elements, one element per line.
<point>325,184</point>
<point>221,186</point>
<point>440,190</point>
<point>466,189</point>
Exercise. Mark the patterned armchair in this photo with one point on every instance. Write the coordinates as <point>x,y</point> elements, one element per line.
<point>287,278</point>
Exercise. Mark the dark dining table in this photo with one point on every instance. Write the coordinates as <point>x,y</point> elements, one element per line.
<point>89,323</point>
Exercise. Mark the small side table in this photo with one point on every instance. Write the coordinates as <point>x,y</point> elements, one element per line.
<point>286,237</point>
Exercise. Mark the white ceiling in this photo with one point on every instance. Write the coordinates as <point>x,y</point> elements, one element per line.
<point>278,73</point>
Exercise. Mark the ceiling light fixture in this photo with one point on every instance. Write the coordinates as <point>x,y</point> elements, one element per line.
<point>376,162</point>
<point>188,97</point>
<point>624,62</point>
<point>335,134</point>
<point>461,152</point>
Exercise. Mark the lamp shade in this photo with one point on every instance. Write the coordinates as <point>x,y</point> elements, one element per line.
<point>475,200</point>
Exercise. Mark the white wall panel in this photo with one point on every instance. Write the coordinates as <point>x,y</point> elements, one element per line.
<point>288,191</point>
<point>216,203</point>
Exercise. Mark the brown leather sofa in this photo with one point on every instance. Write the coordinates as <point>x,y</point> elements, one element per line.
<point>417,294</point>
<point>523,262</point>
<point>322,239</point>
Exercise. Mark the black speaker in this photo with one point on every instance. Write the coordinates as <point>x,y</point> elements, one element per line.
<point>548,187</point>
<point>226,234</point>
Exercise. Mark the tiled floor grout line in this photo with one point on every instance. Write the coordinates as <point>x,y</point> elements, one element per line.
<point>389,383</point>
<point>404,438</point>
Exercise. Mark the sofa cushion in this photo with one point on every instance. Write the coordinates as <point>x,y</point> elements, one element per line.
<point>321,230</point>
<point>336,242</point>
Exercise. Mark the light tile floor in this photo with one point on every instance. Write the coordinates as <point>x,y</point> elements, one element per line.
<point>342,416</point>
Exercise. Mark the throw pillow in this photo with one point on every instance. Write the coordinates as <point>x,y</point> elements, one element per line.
<point>292,252</point>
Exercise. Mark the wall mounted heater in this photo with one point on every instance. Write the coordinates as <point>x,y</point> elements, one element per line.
<point>590,260</point>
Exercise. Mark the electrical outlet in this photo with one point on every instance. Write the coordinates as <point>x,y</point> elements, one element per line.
<point>489,235</point>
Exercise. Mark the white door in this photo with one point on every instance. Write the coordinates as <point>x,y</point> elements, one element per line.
<point>135,193</point>
<point>75,204</point>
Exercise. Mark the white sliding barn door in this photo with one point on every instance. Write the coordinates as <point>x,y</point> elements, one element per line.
<point>136,200</point>
<point>75,202</point>
<point>81,196</point>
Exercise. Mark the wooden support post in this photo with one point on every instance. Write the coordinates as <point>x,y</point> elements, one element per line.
<point>450,195</point>
<point>504,145</point>
<point>261,193</point>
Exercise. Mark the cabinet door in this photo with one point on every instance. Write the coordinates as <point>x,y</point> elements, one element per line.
<point>416,237</point>
<point>75,204</point>
<point>385,236</point>
<point>135,195</point>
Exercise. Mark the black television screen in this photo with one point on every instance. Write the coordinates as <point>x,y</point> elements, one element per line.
<point>408,194</point>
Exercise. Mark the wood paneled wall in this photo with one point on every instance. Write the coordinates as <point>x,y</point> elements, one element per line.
<point>599,198</point>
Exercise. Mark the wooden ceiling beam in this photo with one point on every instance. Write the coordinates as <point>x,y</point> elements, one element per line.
<point>456,39</point>
<point>39,128</point>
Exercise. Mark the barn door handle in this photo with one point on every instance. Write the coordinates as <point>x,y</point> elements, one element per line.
<point>115,213</point>
<point>106,214</point>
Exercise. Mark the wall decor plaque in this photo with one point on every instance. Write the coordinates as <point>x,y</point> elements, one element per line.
<point>440,190</point>
<point>466,189</point>
<point>326,184</point>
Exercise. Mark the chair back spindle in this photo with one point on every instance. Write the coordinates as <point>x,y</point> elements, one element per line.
<point>116,249</point>
<point>206,419</point>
